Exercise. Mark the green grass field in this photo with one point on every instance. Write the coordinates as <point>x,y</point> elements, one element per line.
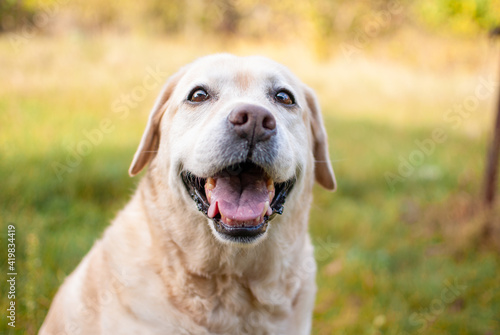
<point>405,259</point>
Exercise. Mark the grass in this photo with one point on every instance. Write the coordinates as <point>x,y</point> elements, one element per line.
<point>386,256</point>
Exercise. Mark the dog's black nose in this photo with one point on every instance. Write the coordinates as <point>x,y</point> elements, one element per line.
<point>252,122</point>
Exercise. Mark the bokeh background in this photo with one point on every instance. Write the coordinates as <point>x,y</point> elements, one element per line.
<point>408,91</point>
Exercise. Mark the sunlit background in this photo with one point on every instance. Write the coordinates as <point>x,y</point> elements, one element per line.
<point>408,91</point>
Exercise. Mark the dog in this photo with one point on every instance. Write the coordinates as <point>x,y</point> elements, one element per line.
<point>215,238</point>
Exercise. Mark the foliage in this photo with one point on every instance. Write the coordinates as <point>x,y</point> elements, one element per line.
<point>320,19</point>
<point>385,255</point>
<point>464,17</point>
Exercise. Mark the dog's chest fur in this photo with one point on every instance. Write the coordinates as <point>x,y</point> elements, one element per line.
<point>223,290</point>
<point>226,304</point>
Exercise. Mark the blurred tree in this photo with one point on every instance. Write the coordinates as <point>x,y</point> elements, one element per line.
<point>166,16</point>
<point>322,15</point>
<point>230,17</point>
<point>465,17</point>
<point>492,161</point>
<point>15,13</point>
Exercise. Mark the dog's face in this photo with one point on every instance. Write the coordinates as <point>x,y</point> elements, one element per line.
<point>235,136</point>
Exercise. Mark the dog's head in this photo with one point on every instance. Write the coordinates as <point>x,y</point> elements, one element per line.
<point>235,136</point>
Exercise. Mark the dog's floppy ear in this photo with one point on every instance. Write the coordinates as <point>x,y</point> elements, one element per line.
<point>151,138</point>
<point>323,171</point>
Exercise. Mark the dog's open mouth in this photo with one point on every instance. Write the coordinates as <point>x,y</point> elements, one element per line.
<point>240,199</point>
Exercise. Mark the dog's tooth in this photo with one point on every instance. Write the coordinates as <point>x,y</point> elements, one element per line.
<point>270,185</point>
<point>213,210</point>
<point>209,196</point>
<point>229,221</point>
<point>266,207</point>
<point>270,189</point>
<point>210,183</point>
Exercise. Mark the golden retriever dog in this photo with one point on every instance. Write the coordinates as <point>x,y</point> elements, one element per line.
<point>215,238</point>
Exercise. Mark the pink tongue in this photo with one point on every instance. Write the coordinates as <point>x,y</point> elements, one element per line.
<point>239,197</point>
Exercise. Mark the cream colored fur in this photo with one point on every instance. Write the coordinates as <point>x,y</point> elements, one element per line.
<point>160,268</point>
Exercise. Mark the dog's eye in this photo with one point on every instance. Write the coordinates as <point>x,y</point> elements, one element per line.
<point>198,95</point>
<point>285,98</point>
